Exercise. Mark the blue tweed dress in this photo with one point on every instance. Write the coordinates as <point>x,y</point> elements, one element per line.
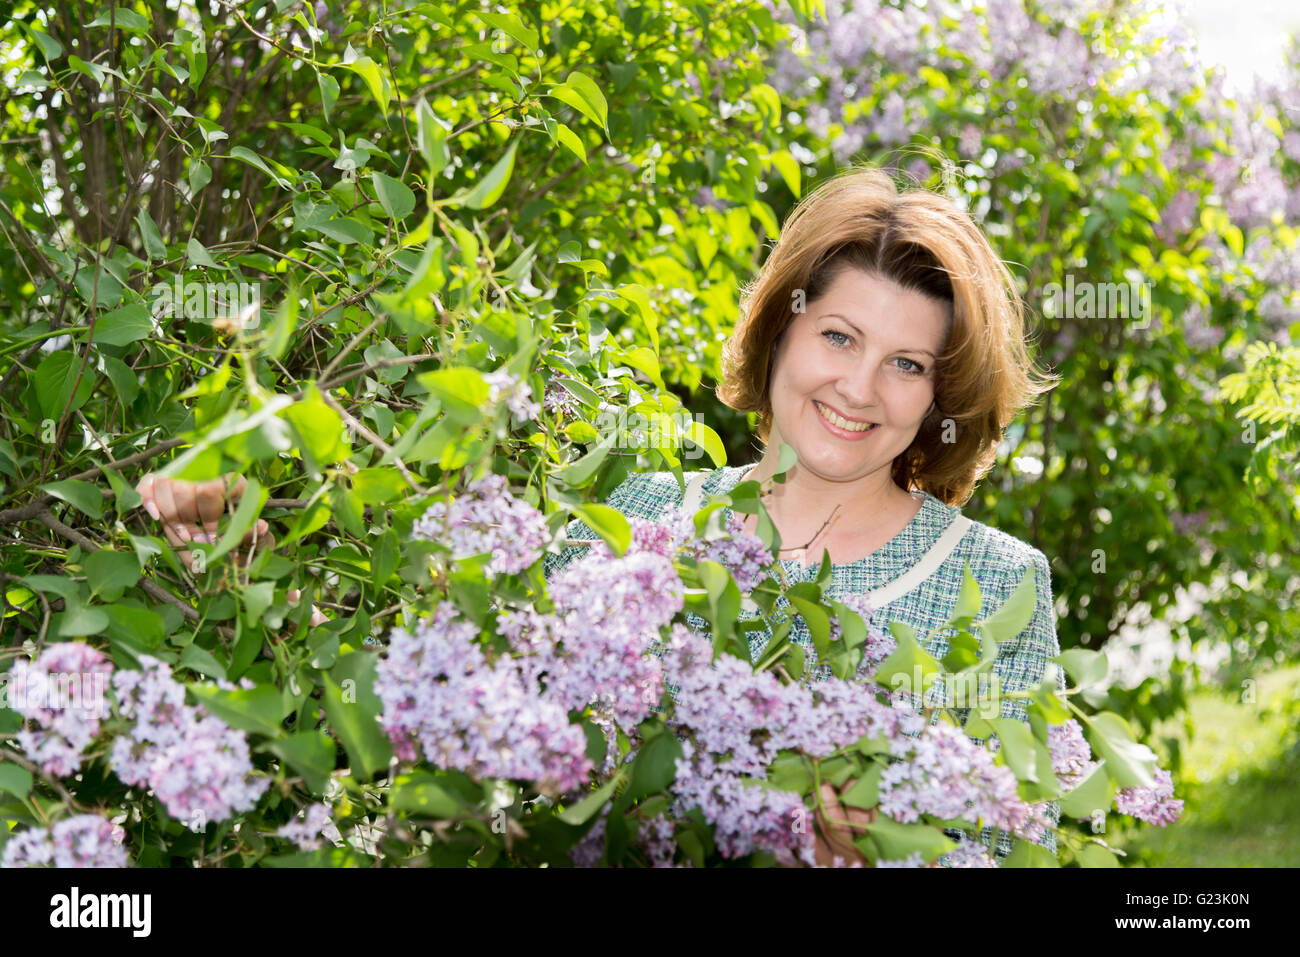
<point>997,561</point>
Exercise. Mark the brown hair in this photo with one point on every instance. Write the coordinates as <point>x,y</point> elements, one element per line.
<point>923,242</point>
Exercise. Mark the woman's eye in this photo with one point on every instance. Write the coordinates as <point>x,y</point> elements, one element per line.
<point>913,367</point>
<point>837,339</point>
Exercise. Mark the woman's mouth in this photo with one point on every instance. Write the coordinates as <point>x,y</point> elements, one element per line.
<point>840,425</point>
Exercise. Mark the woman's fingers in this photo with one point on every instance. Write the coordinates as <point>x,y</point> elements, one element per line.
<point>145,489</point>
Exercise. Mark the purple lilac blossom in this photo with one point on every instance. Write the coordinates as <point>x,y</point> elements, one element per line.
<point>441,697</point>
<point>515,392</point>
<point>197,765</point>
<point>1071,756</point>
<point>487,520</point>
<point>84,840</point>
<point>1155,805</point>
<point>63,693</point>
<point>307,829</point>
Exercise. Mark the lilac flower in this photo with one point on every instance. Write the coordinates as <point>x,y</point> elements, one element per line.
<point>487,520</point>
<point>441,697</point>
<point>912,860</point>
<point>744,555</point>
<point>515,392</point>
<point>1155,805</point>
<point>747,816</point>
<point>558,399</point>
<point>1071,756</point>
<point>63,693</point>
<point>970,853</point>
<point>307,829</point>
<point>945,774</point>
<point>84,840</point>
<point>197,765</point>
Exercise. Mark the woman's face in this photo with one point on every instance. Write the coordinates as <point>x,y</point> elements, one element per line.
<point>854,376</point>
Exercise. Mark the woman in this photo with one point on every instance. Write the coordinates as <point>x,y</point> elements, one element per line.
<point>883,341</point>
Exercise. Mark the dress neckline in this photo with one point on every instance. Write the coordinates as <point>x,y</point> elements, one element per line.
<point>906,546</point>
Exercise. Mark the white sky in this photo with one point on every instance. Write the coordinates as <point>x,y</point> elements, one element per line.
<point>1247,36</point>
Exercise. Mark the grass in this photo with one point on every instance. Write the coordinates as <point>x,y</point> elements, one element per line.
<point>1240,783</point>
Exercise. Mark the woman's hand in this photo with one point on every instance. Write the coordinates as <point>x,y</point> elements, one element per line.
<point>189,512</point>
<point>836,839</point>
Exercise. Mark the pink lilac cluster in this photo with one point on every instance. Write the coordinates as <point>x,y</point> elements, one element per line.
<point>746,814</point>
<point>944,773</point>
<point>515,392</point>
<point>307,829</point>
<point>1155,805</point>
<point>84,840</point>
<point>487,520</point>
<point>742,554</point>
<point>1071,756</point>
<point>443,698</point>
<point>735,723</point>
<point>63,693</point>
<point>969,853</point>
<point>912,860</point>
<point>559,400</point>
<point>197,765</point>
<point>608,616</point>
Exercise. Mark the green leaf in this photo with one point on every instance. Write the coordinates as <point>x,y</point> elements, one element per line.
<point>378,485</point>
<point>82,495</point>
<point>54,382</point>
<point>1028,854</point>
<point>1017,747</point>
<point>909,667</point>
<point>126,497</point>
<point>259,710</point>
<point>968,601</point>
<point>511,25</point>
<point>318,428</point>
<point>579,473</point>
<point>865,791</point>
<point>888,840</point>
<point>432,134</point>
<point>1087,668</point>
<point>1094,793</point>
<point>246,155</point>
<point>424,795</point>
<point>1130,764</point>
<point>609,524</point>
<point>786,460</point>
<point>353,710</point>
<point>584,810</point>
<point>708,440</point>
<point>109,573</point>
<point>369,71</point>
<point>655,767</point>
<point>124,326</point>
<point>1015,614</point>
<point>581,93</point>
<point>819,624</point>
<point>397,199</point>
<point>200,660</point>
<point>310,753</point>
<point>329,93</point>
<point>489,189</point>
<point>154,247</point>
<point>1094,855</point>
<point>199,255</point>
<point>17,781</point>
<point>123,19</point>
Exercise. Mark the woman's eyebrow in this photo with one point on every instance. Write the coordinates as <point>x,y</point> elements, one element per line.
<point>851,325</point>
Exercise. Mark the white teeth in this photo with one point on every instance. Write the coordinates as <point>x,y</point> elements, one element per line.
<point>836,419</point>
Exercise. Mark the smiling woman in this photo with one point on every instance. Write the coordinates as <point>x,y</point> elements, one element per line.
<point>883,341</point>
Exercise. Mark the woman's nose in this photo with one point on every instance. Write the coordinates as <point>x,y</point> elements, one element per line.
<point>858,388</point>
